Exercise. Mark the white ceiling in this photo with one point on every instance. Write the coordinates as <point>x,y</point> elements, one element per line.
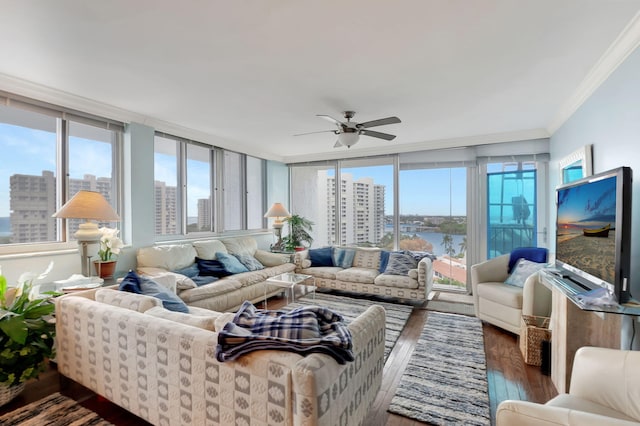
<point>248,75</point>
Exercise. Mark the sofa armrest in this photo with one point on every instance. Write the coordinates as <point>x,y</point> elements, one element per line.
<point>524,413</point>
<point>317,377</point>
<point>425,275</point>
<point>299,257</point>
<point>536,297</point>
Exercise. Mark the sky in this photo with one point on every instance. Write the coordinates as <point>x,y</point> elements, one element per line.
<point>30,151</point>
<point>423,192</point>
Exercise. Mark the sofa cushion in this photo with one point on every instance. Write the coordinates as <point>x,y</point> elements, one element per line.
<point>204,322</point>
<point>398,281</point>
<point>134,283</point>
<point>231,263</point>
<point>249,262</point>
<point>501,294</point>
<point>241,245</point>
<point>169,257</point>
<point>121,299</point>
<point>327,272</point>
<point>321,256</point>
<point>214,289</point>
<point>367,258</point>
<point>343,257</point>
<point>400,264</point>
<point>271,259</point>
<point>207,249</point>
<point>358,275</point>
<point>212,268</point>
<point>182,282</point>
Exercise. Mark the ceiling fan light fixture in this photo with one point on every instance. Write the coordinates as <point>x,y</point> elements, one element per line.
<point>348,139</point>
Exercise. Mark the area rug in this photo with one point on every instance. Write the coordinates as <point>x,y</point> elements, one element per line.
<point>54,410</point>
<point>350,308</point>
<point>451,307</point>
<point>445,382</point>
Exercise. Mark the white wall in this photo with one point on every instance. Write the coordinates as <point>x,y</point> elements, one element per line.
<point>610,120</point>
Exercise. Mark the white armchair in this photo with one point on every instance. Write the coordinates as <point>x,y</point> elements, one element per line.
<point>502,304</point>
<point>605,390</point>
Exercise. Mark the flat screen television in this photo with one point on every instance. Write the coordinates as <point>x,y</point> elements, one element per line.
<point>593,232</point>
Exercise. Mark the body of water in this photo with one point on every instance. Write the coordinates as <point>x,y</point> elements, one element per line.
<point>434,238</point>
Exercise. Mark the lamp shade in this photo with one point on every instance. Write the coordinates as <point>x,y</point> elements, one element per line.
<point>348,139</point>
<point>88,205</point>
<point>277,210</point>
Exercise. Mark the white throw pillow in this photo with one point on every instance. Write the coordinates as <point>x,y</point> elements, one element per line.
<point>204,322</point>
<point>207,249</point>
<point>523,270</point>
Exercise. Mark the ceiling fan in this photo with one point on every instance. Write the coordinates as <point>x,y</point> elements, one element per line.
<point>349,131</point>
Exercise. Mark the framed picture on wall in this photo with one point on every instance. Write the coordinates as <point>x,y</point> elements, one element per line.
<point>576,165</point>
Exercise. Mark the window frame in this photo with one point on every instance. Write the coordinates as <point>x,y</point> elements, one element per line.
<point>63,117</point>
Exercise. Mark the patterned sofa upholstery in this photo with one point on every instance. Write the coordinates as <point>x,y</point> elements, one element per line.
<point>365,277</point>
<point>226,294</point>
<point>166,372</point>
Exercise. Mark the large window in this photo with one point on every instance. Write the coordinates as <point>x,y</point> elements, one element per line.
<point>433,218</point>
<point>512,207</point>
<point>166,176</point>
<point>201,188</point>
<point>40,145</point>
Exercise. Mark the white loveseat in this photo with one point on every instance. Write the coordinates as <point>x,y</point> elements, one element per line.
<point>161,366</point>
<point>363,276</point>
<point>227,293</point>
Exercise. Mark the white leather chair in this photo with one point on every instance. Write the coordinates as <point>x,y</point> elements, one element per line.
<point>604,390</point>
<point>502,304</point>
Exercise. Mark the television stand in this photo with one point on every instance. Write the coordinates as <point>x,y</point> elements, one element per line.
<point>574,326</point>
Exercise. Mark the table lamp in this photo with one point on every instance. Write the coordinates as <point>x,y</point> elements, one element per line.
<point>88,205</point>
<point>278,212</point>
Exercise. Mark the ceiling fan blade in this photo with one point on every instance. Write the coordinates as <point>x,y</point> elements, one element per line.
<point>331,119</point>
<point>311,133</point>
<point>380,122</point>
<point>385,136</point>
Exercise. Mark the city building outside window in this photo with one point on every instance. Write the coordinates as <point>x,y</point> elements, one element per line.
<point>32,136</point>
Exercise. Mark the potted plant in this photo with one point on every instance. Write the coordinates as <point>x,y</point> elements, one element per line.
<point>27,332</point>
<point>299,228</point>
<point>110,245</point>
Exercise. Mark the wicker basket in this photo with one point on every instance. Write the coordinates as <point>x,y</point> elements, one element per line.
<point>7,393</point>
<point>534,331</point>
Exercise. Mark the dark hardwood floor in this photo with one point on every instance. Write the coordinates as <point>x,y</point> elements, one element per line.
<point>509,378</point>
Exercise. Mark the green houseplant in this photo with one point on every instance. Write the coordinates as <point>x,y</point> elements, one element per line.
<point>299,228</point>
<point>27,333</point>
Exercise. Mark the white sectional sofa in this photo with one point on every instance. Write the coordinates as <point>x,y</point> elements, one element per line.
<point>161,366</point>
<point>363,275</point>
<point>225,294</point>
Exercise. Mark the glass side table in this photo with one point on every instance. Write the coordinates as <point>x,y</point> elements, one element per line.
<point>289,281</point>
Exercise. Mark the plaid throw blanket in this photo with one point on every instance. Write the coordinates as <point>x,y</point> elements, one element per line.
<point>303,330</point>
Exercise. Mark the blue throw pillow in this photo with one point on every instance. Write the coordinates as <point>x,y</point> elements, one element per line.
<point>400,264</point>
<point>343,257</point>
<point>249,262</point>
<point>204,280</point>
<point>231,263</point>
<point>189,271</point>
<point>384,259</point>
<point>321,256</point>
<point>211,268</point>
<point>133,283</point>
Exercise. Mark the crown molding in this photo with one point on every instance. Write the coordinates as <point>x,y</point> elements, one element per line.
<point>340,154</point>
<point>63,99</point>
<point>626,42</point>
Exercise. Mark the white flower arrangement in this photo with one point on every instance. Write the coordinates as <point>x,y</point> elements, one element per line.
<point>110,244</point>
